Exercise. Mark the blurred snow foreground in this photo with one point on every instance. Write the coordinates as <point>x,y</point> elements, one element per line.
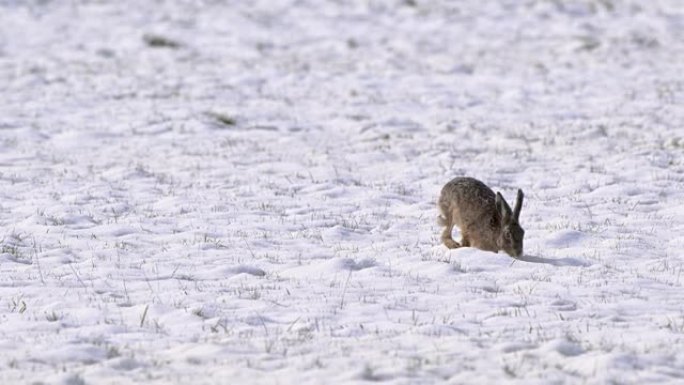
<point>244,191</point>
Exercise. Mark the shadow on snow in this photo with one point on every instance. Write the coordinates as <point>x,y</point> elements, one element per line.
<point>554,262</point>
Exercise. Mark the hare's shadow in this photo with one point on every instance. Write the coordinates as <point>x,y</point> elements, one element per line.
<point>554,261</point>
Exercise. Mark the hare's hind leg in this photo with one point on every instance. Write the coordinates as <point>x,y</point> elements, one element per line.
<point>447,220</point>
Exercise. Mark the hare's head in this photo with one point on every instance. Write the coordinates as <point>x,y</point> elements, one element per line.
<point>510,239</point>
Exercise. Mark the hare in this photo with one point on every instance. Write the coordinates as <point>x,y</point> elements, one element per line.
<point>485,219</point>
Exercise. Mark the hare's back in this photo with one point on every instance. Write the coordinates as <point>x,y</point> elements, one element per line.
<point>468,195</point>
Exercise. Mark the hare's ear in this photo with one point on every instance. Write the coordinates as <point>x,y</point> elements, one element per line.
<point>503,208</point>
<point>518,205</point>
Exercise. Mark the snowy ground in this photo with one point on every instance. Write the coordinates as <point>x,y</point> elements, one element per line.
<point>244,191</point>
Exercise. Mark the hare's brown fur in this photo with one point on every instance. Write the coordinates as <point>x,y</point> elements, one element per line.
<point>484,218</point>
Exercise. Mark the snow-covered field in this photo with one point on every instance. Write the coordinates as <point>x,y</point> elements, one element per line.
<point>238,192</point>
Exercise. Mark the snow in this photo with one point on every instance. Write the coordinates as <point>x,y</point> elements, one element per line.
<point>245,192</point>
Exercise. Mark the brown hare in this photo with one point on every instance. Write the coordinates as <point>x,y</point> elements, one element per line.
<point>485,219</point>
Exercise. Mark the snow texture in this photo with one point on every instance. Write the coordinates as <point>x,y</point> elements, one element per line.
<point>244,192</point>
